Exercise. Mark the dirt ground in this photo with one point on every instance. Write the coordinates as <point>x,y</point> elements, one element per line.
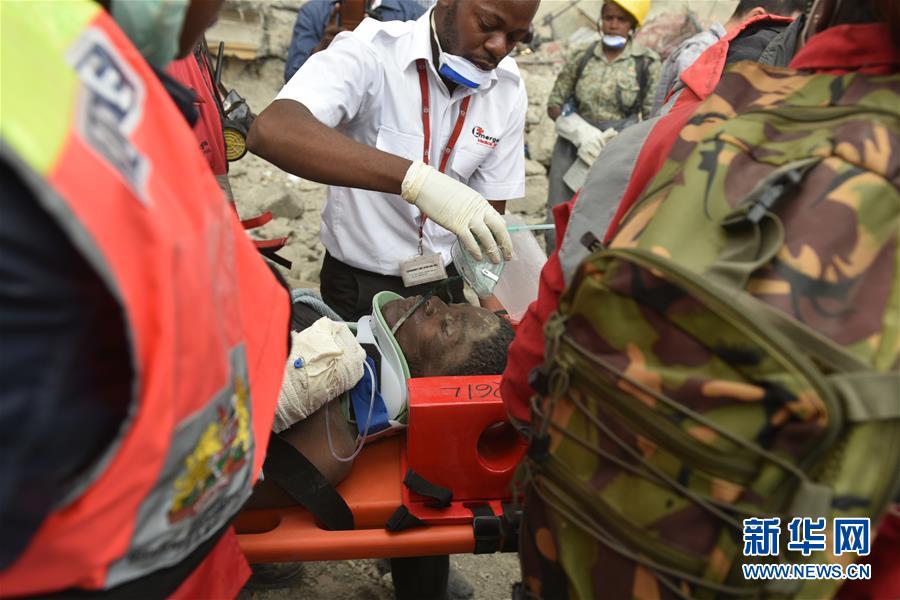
<point>491,575</point>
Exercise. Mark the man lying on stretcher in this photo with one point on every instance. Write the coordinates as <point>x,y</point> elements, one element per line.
<point>433,338</point>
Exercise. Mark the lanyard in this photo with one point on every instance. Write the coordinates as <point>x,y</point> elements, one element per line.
<point>422,65</point>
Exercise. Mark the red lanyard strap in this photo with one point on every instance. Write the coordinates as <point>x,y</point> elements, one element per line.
<point>422,65</point>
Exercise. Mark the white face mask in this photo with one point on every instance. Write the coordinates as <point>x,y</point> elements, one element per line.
<point>456,68</point>
<point>614,41</point>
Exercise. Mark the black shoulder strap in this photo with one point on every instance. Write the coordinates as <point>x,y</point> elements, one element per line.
<point>643,74</point>
<point>287,467</point>
<point>642,69</point>
<point>584,61</point>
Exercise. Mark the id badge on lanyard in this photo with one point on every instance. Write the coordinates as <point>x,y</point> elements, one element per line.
<point>426,268</point>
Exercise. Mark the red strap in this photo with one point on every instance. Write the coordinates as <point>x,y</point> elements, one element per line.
<point>421,66</point>
<point>426,118</point>
<point>257,221</point>
<point>460,121</point>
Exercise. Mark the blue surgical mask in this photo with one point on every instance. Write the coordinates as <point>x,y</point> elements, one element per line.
<point>457,69</point>
<point>614,41</point>
<point>153,26</point>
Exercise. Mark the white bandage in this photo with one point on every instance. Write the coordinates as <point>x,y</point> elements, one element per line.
<point>325,361</point>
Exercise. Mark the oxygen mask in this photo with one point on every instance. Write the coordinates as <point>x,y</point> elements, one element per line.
<point>481,275</point>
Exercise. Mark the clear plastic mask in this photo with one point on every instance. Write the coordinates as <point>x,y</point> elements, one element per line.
<point>481,275</point>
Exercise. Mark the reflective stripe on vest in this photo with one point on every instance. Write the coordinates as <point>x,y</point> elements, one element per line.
<point>104,150</point>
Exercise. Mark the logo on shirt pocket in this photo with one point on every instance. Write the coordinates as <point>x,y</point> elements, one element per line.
<point>483,138</point>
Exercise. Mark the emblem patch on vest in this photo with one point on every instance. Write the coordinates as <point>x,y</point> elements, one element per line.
<point>204,481</point>
<point>221,451</point>
<point>110,106</point>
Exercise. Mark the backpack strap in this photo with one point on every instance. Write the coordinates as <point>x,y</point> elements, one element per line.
<point>869,397</point>
<point>585,59</point>
<point>753,236</point>
<point>641,66</point>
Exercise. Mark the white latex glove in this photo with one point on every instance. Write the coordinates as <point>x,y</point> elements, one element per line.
<point>457,208</point>
<point>591,148</point>
<point>330,363</point>
<point>575,129</point>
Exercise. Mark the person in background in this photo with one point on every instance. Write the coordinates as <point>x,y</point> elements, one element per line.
<point>127,445</point>
<point>689,50</point>
<point>606,85</point>
<point>318,22</point>
<point>424,126</point>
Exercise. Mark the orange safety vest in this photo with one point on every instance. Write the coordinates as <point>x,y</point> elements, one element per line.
<point>92,132</point>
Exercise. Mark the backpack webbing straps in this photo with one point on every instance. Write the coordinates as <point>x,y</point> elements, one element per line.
<point>869,397</point>
<point>643,75</point>
<point>287,467</point>
<point>753,236</point>
<point>583,63</point>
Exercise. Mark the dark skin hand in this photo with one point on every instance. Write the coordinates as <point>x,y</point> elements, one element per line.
<point>290,137</point>
<point>287,135</point>
<point>373,169</point>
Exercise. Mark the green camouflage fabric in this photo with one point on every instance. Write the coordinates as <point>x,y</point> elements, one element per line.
<point>595,91</point>
<point>733,354</point>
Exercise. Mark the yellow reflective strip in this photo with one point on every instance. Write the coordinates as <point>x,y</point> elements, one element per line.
<point>38,88</point>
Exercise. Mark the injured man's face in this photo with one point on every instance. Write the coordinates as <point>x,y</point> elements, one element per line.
<point>456,339</point>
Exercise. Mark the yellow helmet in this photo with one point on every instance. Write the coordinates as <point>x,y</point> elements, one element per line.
<point>636,8</point>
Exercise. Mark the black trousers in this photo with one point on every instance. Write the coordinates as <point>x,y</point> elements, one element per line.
<point>349,291</point>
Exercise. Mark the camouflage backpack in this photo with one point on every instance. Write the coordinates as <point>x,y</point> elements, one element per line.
<point>733,355</point>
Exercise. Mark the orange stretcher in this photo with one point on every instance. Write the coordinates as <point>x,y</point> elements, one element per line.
<point>458,438</point>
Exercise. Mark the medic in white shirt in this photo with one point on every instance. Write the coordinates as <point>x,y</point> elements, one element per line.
<point>415,126</point>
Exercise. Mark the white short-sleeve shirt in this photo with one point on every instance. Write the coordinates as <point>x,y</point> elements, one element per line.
<point>366,85</point>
